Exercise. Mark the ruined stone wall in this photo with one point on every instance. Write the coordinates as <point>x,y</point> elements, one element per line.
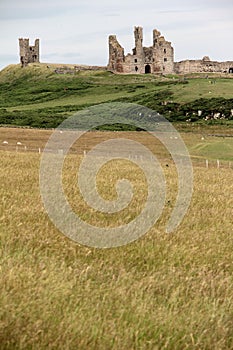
<point>158,58</point>
<point>69,69</point>
<point>203,66</point>
<point>116,55</point>
<point>163,54</point>
<point>28,54</point>
<point>134,63</point>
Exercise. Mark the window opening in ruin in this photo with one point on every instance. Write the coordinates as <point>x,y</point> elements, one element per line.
<point>165,51</point>
<point>147,69</point>
<point>136,68</point>
<point>135,60</point>
<point>165,59</point>
<point>231,70</point>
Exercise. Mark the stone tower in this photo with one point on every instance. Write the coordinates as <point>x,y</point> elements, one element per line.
<point>28,54</point>
<point>116,55</point>
<point>138,35</point>
<point>158,58</point>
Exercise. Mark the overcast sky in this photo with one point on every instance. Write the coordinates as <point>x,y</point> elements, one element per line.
<point>76,31</point>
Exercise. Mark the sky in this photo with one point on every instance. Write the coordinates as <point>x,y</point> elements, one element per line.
<point>76,31</point>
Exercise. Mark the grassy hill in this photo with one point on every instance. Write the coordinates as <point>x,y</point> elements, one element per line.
<point>38,96</point>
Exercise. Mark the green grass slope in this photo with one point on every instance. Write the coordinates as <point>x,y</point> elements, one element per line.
<point>38,96</point>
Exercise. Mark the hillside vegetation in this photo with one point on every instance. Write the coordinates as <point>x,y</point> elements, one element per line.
<point>37,96</point>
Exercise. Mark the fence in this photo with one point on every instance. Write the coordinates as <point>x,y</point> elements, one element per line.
<point>196,161</point>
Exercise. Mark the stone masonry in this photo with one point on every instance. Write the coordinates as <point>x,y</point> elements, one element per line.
<point>205,65</point>
<point>28,54</point>
<point>158,58</point>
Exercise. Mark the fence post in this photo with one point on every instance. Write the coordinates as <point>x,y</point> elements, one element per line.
<point>207,163</point>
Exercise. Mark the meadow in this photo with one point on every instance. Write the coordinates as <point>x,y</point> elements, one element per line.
<point>163,291</point>
<point>39,97</point>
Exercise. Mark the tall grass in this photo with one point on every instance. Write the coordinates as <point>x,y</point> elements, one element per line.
<point>161,292</point>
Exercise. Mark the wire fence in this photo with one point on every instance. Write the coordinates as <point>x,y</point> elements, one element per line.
<point>196,161</point>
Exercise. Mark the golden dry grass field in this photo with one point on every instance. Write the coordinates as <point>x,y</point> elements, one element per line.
<point>164,291</point>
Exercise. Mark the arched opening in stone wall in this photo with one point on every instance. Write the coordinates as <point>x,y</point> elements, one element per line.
<point>231,70</point>
<point>147,69</point>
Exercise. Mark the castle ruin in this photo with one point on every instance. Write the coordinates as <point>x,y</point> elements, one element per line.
<point>28,54</point>
<point>205,65</point>
<point>157,59</point>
